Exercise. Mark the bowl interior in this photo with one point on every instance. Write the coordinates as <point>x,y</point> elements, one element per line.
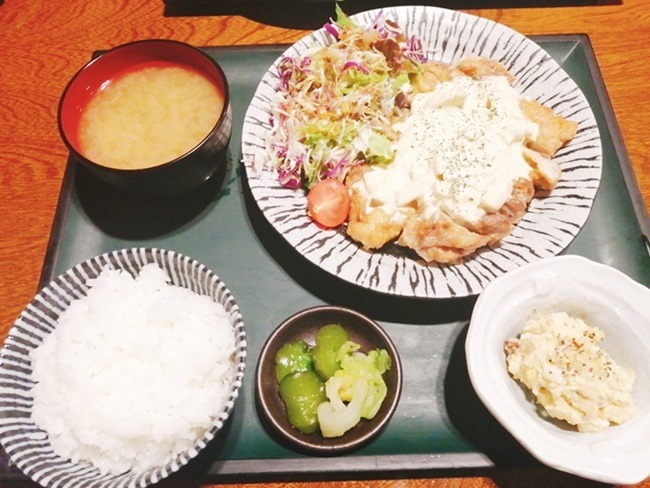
<point>305,325</point>
<point>112,64</point>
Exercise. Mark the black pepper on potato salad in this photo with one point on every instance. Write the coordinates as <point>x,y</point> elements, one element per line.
<point>439,159</point>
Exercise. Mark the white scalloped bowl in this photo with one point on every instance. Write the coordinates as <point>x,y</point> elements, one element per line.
<point>27,446</point>
<point>603,297</point>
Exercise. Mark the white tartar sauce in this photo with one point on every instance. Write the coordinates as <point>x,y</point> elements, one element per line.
<point>459,151</point>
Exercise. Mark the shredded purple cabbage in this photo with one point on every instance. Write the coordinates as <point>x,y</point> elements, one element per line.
<point>331,29</point>
<point>339,167</point>
<point>290,179</point>
<point>285,69</point>
<point>414,50</point>
<point>358,66</point>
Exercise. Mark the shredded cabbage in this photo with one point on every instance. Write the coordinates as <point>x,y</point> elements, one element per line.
<point>335,105</point>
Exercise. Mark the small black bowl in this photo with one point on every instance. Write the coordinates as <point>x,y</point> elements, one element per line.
<point>181,174</point>
<point>305,325</point>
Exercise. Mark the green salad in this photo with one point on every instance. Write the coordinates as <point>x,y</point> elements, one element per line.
<point>336,104</point>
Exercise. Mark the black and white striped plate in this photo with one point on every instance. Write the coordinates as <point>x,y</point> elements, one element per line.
<point>26,445</point>
<point>548,227</point>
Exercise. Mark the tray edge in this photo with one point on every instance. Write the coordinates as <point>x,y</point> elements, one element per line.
<point>411,463</point>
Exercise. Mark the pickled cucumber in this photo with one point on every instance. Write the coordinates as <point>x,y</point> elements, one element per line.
<point>302,393</point>
<point>329,340</point>
<point>292,357</point>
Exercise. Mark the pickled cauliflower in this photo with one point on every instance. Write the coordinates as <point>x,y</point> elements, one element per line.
<point>355,391</point>
<point>557,357</point>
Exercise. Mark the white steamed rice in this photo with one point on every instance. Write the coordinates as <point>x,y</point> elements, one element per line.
<point>134,373</point>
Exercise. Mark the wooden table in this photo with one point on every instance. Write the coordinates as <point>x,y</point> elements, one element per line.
<point>43,43</point>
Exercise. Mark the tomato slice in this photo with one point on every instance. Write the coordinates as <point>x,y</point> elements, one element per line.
<point>328,203</point>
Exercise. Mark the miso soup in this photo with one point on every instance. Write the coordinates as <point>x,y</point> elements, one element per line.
<point>148,117</point>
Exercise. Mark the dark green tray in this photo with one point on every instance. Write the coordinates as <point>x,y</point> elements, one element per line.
<point>440,423</point>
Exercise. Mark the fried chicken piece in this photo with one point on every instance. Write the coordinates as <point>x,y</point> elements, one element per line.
<point>433,73</point>
<point>445,241</point>
<point>374,229</point>
<point>554,131</point>
<point>440,239</point>
<point>546,172</point>
<point>497,225</point>
<point>479,68</point>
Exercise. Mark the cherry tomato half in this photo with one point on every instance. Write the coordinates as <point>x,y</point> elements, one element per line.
<point>328,203</point>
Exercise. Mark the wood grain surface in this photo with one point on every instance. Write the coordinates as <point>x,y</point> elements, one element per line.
<point>43,43</point>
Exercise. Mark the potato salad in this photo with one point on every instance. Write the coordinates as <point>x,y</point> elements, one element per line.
<point>557,358</point>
